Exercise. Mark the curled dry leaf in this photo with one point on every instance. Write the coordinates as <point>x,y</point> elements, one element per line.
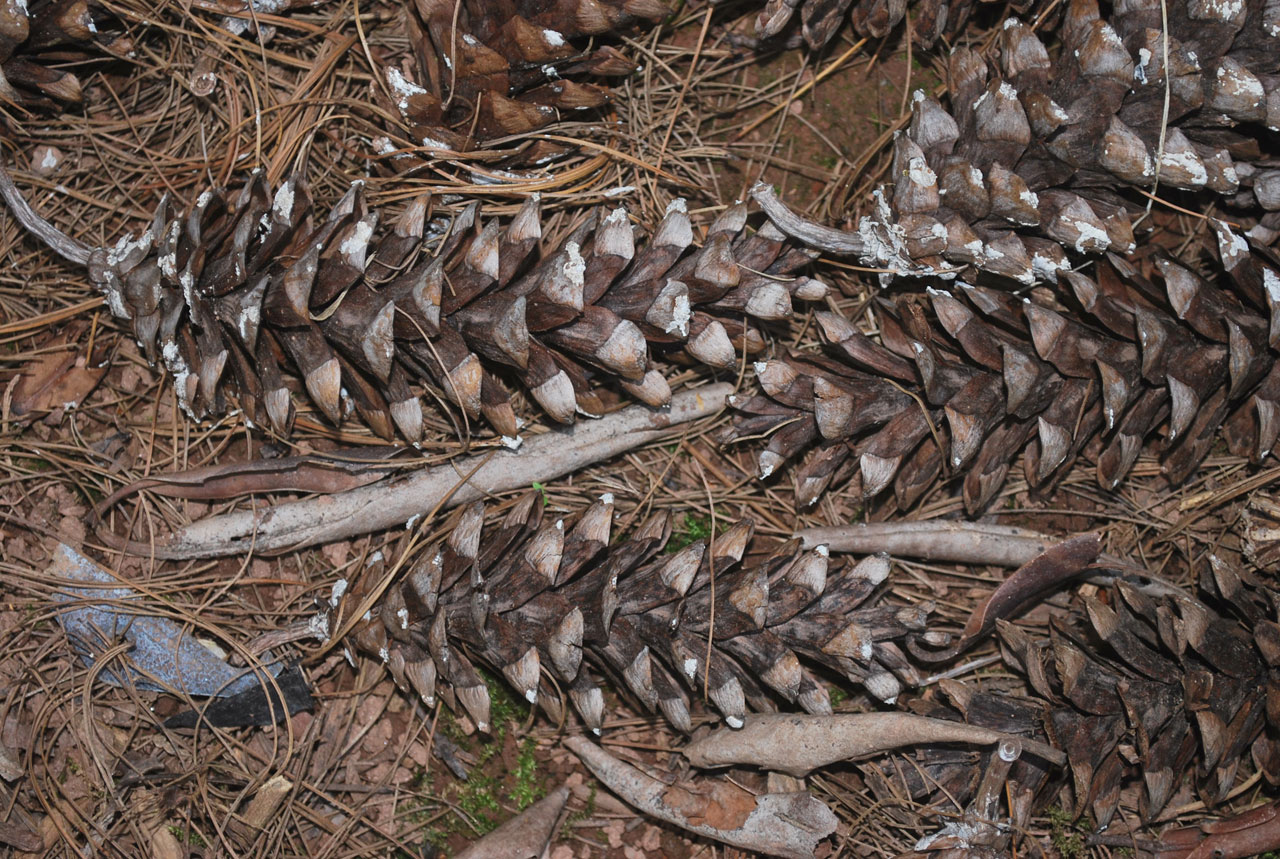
<point>776,824</point>
<point>798,744</point>
<point>59,376</point>
<point>1046,571</point>
<point>325,473</point>
<point>524,836</point>
<point>1250,834</point>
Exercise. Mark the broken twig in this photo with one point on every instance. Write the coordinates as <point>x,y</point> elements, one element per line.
<point>797,744</point>
<point>390,502</point>
<point>961,542</point>
<point>814,235</point>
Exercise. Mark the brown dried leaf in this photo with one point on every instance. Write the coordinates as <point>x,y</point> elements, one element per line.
<point>59,377</point>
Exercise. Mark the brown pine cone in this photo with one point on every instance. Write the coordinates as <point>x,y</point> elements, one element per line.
<point>964,381</point>
<point>38,40</point>
<point>539,599</point>
<point>482,70</point>
<point>820,20</point>
<point>1146,684</point>
<point>1013,188</point>
<point>234,293</point>
<point>1023,173</point>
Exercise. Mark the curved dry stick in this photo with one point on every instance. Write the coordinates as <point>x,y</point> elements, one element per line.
<point>813,234</point>
<point>524,836</point>
<point>60,242</point>
<point>961,542</point>
<point>776,824</point>
<point>394,501</point>
<point>797,744</point>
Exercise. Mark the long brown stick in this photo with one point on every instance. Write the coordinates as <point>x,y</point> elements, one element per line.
<point>962,542</point>
<point>392,502</point>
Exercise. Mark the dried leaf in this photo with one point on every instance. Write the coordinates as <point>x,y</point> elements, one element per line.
<point>1045,572</point>
<point>776,824</point>
<point>524,836</point>
<point>59,377</point>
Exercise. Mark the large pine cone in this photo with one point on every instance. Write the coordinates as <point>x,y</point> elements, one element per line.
<point>1012,189</point>
<point>483,70</point>
<point>1148,689</point>
<point>238,289</point>
<point>35,39</point>
<point>964,381</point>
<point>536,598</point>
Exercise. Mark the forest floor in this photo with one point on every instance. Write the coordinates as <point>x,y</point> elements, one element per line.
<point>371,771</point>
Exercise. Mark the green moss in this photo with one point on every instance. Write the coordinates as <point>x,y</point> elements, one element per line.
<point>528,788</point>
<point>691,528</point>
<point>838,695</point>
<point>1065,833</point>
<point>187,836</point>
<point>576,817</point>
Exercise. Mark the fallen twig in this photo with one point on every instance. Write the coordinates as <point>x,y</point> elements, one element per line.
<point>797,744</point>
<point>813,234</point>
<point>1251,833</point>
<point>961,542</point>
<point>291,526</point>
<point>524,836</point>
<point>777,824</point>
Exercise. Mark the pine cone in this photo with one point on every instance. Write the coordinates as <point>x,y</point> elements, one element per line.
<point>964,381</point>
<point>1016,180</point>
<point>34,37</point>
<point>875,19</point>
<point>1015,189</point>
<point>237,289</point>
<point>532,597</point>
<point>484,70</point>
<point>1150,683</point>
<point>1145,688</point>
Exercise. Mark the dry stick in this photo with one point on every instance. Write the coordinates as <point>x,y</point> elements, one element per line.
<point>797,744</point>
<point>826,239</point>
<point>525,835</point>
<point>386,503</point>
<point>46,232</point>
<point>775,824</point>
<point>964,542</point>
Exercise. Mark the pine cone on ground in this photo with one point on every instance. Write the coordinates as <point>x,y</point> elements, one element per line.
<point>964,381</point>
<point>554,604</point>
<point>484,70</point>
<point>235,290</point>
<point>1151,683</point>
<point>1024,172</point>
<point>1016,189</point>
<point>36,39</point>
<point>820,20</point>
<point>1146,688</point>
